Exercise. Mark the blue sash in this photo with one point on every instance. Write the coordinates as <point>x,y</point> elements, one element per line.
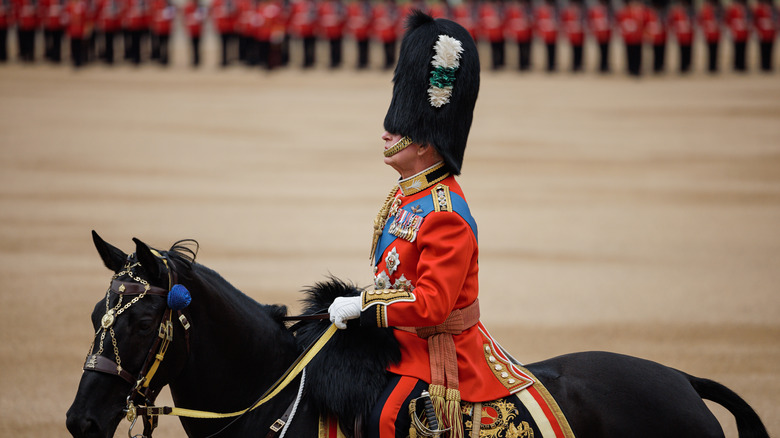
<point>459,206</point>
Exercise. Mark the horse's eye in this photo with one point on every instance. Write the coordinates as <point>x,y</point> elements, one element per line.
<point>145,325</point>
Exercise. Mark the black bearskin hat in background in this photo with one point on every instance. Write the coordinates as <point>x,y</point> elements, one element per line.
<point>435,87</point>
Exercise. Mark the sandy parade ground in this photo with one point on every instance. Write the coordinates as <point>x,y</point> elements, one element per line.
<point>636,216</point>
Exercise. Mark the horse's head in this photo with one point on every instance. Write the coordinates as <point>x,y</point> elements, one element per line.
<point>140,321</point>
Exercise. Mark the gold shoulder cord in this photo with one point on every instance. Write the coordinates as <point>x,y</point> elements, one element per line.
<point>381,220</point>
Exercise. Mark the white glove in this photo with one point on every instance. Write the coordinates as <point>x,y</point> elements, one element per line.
<point>343,309</point>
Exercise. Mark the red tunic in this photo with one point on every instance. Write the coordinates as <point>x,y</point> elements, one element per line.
<point>109,15</point>
<point>26,15</point>
<point>632,23</point>
<point>426,274</point>
<point>599,23</point>
<point>680,23</point>
<point>360,15</point>
<point>572,20</point>
<point>764,22</point>
<point>224,13</point>
<point>655,29</point>
<point>6,14</point>
<point>136,15</point>
<point>332,19</point>
<point>386,19</point>
<point>491,22</point>
<point>52,12</point>
<point>467,16</point>
<point>546,24</point>
<point>519,24</point>
<point>162,17</point>
<point>194,15</point>
<point>303,18</point>
<point>736,20</point>
<point>271,21</point>
<point>76,11</point>
<point>709,23</point>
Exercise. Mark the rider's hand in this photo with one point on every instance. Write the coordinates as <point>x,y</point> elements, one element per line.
<point>343,309</point>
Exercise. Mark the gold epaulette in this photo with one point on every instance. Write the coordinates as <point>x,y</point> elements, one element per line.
<point>441,198</point>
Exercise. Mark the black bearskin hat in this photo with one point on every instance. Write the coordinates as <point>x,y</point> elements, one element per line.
<point>435,87</point>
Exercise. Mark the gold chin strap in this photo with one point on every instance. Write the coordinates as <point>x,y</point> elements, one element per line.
<point>400,145</point>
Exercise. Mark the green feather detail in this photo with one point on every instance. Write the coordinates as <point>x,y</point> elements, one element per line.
<point>442,77</point>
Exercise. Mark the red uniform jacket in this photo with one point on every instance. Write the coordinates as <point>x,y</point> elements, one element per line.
<point>194,15</point>
<point>246,21</point>
<point>709,23</point>
<point>162,17</point>
<point>109,15</point>
<point>655,29</point>
<point>736,20</point>
<point>681,25</point>
<point>303,18</point>
<point>6,14</point>
<point>360,15</point>
<point>440,10</point>
<point>224,13</point>
<point>599,23</point>
<point>572,18</point>
<point>52,14</point>
<point>632,23</point>
<point>386,19</point>
<point>426,266</point>
<point>491,22</point>
<point>546,23</point>
<point>271,21</point>
<point>467,15</point>
<point>332,19</point>
<point>77,14</point>
<point>136,15</point>
<point>764,22</point>
<point>519,23</point>
<point>26,14</point>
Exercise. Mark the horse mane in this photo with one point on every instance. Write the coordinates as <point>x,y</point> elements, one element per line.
<point>349,374</point>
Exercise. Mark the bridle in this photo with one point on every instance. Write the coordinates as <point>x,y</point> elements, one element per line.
<point>142,393</point>
<point>140,400</point>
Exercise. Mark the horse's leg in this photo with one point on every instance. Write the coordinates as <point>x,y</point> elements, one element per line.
<point>611,395</point>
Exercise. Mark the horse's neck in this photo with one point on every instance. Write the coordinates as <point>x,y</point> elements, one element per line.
<point>236,352</point>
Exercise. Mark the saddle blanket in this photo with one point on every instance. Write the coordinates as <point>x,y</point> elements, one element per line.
<point>529,413</point>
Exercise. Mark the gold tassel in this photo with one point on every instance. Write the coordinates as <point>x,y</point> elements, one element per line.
<point>452,416</point>
<point>438,392</point>
<point>412,413</point>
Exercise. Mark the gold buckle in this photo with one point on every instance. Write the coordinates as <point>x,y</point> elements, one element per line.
<point>278,425</point>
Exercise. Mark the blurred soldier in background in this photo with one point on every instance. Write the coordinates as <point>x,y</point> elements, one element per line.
<point>6,19</point>
<point>632,23</point>
<point>52,12</point>
<point>224,13</point>
<point>737,22</point>
<point>573,22</point>
<point>332,19</point>
<point>765,22</point>
<point>440,9</point>
<point>359,21</point>
<point>194,15</point>
<point>709,21</point>
<point>272,22</point>
<point>655,31</point>
<point>108,22</point>
<point>491,27</point>
<point>546,21</point>
<point>26,25</point>
<point>137,24</point>
<point>681,23</point>
<point>245,28</point>
<point>162,19</point>
<point>519,26</point>
<point>600,24</point>
<point>76,18</point>
<point>386,22</point>
<point>303,21</point>
<point>466,14</point>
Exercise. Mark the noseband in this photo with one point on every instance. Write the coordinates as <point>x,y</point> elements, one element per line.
<point>141,393</point>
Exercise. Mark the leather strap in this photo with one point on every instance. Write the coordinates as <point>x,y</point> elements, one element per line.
<point>108,366</point>
<point>127,288</point>
<point>281,421</point>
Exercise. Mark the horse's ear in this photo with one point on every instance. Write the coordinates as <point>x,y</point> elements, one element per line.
<point>152,265</point>
<point>114,258</point>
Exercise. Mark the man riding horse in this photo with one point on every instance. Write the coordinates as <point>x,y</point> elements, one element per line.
<point>424,250</point>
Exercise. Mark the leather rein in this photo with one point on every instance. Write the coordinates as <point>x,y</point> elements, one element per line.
<point>140,400</point>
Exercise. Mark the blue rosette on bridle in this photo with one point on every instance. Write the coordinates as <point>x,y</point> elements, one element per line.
<point>179,297</point>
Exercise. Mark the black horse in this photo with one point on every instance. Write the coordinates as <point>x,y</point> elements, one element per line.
<point>235,349</point>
